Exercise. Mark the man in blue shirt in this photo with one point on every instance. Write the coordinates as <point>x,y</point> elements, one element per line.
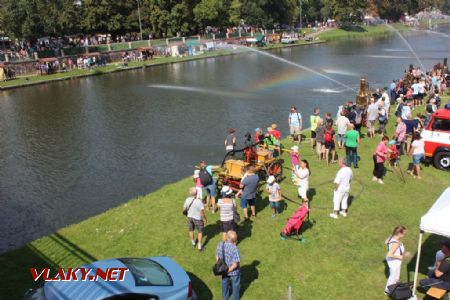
<point>210,188</point>
<point>416,89</point>
<point>295,124</point>
<point>249,187</point>
<point>229,253</point>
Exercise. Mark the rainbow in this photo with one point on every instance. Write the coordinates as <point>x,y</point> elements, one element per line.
<point>278,80</point>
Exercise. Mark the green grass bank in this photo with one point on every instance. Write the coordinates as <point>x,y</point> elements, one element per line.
<point>327,36</point>
<point>341,259</point>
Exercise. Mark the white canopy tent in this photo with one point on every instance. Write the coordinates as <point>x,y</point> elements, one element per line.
<point>436,221</point>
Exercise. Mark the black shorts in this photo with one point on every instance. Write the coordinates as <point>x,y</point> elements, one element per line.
<point>330,145</point>
<point>313,134</point>
<point>415,97</point>
<point>195,224</point>
<point>227,226</point>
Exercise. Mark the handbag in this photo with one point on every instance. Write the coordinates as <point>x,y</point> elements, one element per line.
<point>236,215</point>
<point>185,211</point>
<point>220,268</point>
<point>400,291</point>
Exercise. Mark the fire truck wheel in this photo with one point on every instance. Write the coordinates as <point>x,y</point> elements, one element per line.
<point>442,160</point>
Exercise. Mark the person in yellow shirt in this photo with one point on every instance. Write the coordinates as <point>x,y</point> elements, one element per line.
<point>314,120</point>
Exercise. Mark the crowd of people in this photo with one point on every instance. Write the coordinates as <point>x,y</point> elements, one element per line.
<point>392,104</point>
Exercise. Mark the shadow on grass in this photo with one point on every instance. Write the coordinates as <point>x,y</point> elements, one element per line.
<point>19,262</point>
<point>210,231</point>
<point>244,230</point>
<point>249,273</point>
<point>201,289</point>
<point>427,258</point>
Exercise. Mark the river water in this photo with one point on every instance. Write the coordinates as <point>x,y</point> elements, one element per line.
<point>73,149</point>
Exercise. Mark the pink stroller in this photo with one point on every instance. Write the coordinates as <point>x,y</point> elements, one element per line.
<point>295,223</point>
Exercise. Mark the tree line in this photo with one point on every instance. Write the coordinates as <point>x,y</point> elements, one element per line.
<point>30,19</point>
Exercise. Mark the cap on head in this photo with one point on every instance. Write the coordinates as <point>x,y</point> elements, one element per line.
<point>271,179</point>
<point>294,148</point>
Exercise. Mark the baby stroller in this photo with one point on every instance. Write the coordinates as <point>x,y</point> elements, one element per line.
<point>295,223</point>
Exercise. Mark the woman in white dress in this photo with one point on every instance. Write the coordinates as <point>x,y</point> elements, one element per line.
<point>302,173</point>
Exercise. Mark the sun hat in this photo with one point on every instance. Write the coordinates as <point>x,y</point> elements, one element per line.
<point>271,179</point>
<point>226,190</point>
<point>294,148</point>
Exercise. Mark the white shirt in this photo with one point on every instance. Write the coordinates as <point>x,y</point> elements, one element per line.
<point>406,110</point>
<point>372,112</point>
<point>343,178</point>
<point>302,176</point>
<point>195,209</point>
<point>418,146</point>
<point>342,122</point>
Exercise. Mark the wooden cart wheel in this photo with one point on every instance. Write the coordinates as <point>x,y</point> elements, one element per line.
<point>275,169</point>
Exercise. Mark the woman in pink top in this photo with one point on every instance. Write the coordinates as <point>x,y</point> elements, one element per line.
<point>198,184</point>
<point>295,159</point>
<point>379,157</point>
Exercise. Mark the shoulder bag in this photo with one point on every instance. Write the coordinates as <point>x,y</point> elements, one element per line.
<point>220,268</point>
<point>185,211</point>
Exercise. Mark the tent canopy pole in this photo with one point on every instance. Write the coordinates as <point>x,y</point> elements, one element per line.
<point>416,271</point>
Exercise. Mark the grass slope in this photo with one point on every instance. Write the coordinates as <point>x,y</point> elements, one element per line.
<point>366,32</point>
<point>341,259</point>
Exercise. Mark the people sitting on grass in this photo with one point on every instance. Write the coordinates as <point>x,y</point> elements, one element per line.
<point>194,209</point>
<point>352,141</point>
<point>226,205</point>
<point>441,276</point>
<point>248,192</point>
<point>274,191</point>
<point>418,154</point>
<point>341,190</point>
<point>379,157</point>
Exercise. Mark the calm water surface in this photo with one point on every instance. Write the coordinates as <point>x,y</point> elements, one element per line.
<point>73,149</point>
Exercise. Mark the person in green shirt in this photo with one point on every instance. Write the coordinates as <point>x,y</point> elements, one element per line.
<point>314,120</point>
<point>351,145</point>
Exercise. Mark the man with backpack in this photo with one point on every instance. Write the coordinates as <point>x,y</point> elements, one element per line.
<point>207,180</point>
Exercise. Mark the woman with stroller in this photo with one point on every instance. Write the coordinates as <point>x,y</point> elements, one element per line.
<point>302,181</point>
<point>227,206</point>
<point>394,256</point>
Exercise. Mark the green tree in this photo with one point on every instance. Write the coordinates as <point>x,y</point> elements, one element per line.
<point>210,13</point>
<point>235,12</point>
<point>348,10</point>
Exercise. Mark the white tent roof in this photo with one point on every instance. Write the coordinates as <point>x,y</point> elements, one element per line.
<point>437,219</point>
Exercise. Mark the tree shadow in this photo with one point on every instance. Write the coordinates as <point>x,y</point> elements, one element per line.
<point>249,273</point>
<point>200,288</point>
<point>210,231</point>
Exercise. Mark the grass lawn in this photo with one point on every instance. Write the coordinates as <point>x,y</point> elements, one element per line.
<point>341,259</point>
<point>367,32</point>
<point>113,67</point>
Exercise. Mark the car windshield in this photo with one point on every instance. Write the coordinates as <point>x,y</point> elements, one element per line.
<point>147,272</point>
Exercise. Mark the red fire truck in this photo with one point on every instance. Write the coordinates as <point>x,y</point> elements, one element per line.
<point>437,139</point>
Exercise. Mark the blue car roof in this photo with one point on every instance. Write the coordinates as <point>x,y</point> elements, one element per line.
<point>78,290</point>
